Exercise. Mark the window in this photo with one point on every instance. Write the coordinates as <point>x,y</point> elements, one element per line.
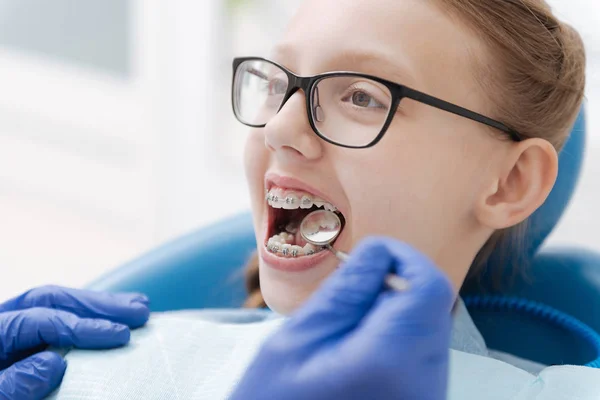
<point>91,33</point>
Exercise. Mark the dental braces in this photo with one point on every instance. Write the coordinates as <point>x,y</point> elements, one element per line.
<point>275,249</point>
<point>305,201</point>
<point>288,200</point>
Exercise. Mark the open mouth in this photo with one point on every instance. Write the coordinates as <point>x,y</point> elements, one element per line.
<point>287,209</point>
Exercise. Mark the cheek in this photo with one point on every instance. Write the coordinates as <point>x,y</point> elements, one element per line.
<point>256,161</point>
<point>406,194</point>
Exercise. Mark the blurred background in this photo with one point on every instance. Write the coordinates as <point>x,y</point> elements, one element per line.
<point>116,132</point>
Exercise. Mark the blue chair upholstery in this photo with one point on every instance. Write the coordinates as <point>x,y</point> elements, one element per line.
<point>567,279</point>
<point>205,270</point>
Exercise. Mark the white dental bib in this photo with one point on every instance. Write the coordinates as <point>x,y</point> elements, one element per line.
<point>203,354</point>
<point>178,355</point>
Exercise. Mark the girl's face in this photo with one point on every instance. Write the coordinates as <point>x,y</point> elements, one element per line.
<point>421,183</point>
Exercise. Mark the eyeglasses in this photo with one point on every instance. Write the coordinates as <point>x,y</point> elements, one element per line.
<point>347,109</point>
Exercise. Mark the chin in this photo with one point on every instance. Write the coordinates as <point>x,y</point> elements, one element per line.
<point>285,291</point>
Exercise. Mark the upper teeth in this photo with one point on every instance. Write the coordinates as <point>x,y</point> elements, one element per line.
<point>292,200</point>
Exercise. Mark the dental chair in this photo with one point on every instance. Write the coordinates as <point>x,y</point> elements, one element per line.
<point>205,270</point>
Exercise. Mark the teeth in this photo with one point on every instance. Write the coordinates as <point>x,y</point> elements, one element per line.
<point>331,225</point>
<point>277,245</point>
<point>330,207</point>
<point>329,222</point>
<point>286,249</point>
<point>318,202</point>
<point>287,237</point>
<point>282,243</point>
<point>275,203</point>
<point>309,249</point>
<point>311,227</point>
<point>292,227</point>
<point>275,198</point>
<point>306,202</point>
<point>277,240</point>
<point>296,251</point>
<point>291,200</point>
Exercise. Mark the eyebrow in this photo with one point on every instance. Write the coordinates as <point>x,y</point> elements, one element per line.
<point>366,61</point>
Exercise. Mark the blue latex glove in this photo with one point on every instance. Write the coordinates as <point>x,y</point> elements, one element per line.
<point>59,317</point>
<point>354,339</point>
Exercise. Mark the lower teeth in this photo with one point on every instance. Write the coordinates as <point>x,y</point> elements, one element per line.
<point>278,245</point>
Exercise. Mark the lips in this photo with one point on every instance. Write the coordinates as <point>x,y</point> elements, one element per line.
<point>272,180</point>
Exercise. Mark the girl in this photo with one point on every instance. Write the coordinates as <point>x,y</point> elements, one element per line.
<point>453,176</point>
<point>433,122</point>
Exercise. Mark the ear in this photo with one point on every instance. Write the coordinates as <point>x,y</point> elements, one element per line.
<point>527,176</point>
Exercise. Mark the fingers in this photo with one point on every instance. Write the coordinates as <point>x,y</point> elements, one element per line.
<point>130,309</point>
<point>33,378</point>
<point>423,309</point>
<point>357,291</point>
<point>398,315</point>
<point>348,295</point>
<point>421,272</point>
<point>22,330</point>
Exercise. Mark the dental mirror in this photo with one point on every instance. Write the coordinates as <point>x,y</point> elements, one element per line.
<point>322,227</point>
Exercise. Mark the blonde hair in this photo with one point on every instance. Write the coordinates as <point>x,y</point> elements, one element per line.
<point>534,78</point>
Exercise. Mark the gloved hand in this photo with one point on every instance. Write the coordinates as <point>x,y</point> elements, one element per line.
<point>59,317</point>
<point>354,339</point>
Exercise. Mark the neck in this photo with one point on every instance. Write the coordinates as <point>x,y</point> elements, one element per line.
<point>456,255</point>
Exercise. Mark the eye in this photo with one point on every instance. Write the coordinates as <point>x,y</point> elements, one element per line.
<point>360,97</point>
<point>277,87</point>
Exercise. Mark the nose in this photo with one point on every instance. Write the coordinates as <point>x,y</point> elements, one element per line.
<point>289,134</point>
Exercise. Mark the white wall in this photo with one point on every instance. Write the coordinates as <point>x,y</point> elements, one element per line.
<point>102,158</point>
<point>578,226</point>
<point>105,154</point>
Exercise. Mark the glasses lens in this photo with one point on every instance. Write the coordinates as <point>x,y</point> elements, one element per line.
<point>350,110</point>
<point>258,91</point>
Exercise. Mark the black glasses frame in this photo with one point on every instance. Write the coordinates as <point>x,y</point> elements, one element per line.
<point>398,91</point>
